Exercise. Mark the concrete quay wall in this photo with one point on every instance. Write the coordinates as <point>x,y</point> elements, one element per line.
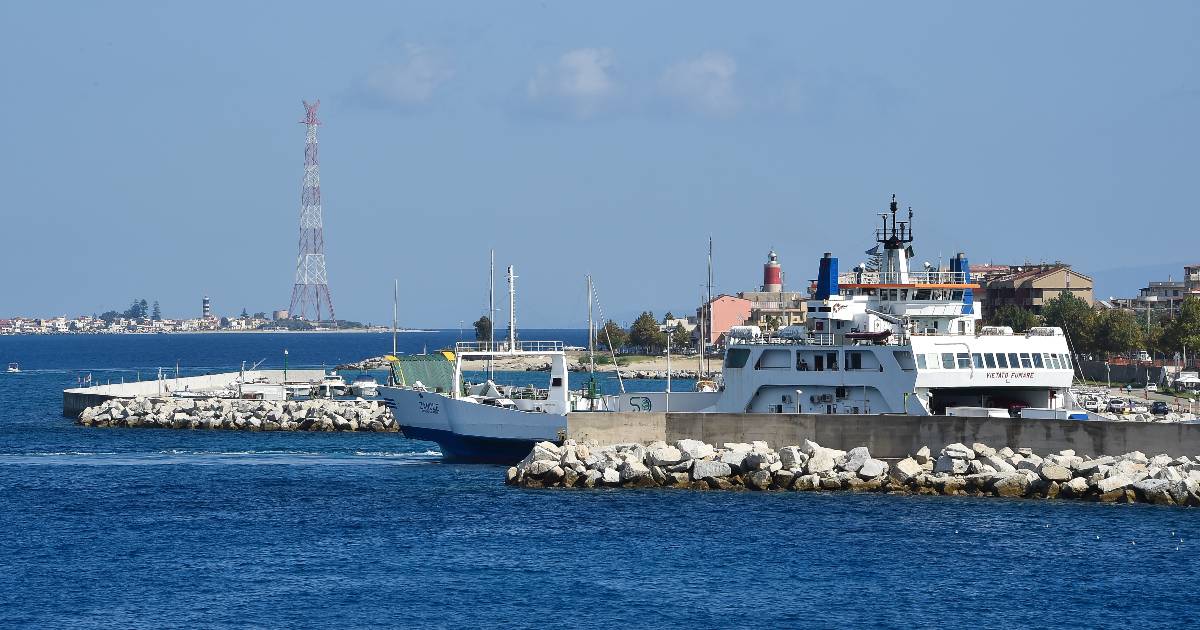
<point>77,399</point>
<point>889,436</point>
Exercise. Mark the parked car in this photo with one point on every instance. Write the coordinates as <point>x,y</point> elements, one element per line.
<point>1159,408</point>
<point>1151,387</point>
<point>1116,405</point>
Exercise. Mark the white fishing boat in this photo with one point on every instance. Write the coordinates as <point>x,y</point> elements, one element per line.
<point>498,423</point>
<point>13,368</point>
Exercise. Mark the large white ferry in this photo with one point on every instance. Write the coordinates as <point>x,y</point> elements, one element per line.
<point>893,340</point>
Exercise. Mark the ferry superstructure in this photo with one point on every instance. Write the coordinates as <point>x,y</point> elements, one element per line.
<point>894,340</point>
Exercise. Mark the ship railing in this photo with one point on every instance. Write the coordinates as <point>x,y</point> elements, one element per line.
<point>823,339</point>
<point>914,277</point>
<point>503,347</point>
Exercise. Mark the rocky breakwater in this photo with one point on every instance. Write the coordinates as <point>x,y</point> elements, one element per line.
<point>240,415</point>
<point>977,470</point>
<point>1181,416</point>
<point>659,374</point>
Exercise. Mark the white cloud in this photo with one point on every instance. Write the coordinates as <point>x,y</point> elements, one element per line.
<point>409,82</point>
<point>580,81</point>
<point>704,84</point>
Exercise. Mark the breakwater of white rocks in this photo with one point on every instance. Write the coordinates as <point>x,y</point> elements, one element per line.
<point>957,469</point>
<point>240,415</point>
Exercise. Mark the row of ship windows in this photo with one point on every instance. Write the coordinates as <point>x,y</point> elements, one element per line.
<point>989,360</point>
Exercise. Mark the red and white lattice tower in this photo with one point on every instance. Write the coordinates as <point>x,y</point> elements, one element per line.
<point>311,291</point>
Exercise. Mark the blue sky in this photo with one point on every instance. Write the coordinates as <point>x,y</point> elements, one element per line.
<point>153,149</point>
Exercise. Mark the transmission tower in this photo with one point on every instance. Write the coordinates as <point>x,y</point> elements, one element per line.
<point>311,291</point>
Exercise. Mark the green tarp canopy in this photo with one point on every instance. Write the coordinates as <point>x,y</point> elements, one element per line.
<point>434,371</point>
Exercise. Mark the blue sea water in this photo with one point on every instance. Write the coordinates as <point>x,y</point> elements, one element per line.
<point>149,527</point>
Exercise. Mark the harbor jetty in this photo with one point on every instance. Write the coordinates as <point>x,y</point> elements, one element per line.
<point>240,415</point>
<point>956,469</point>
<point>76,399</point>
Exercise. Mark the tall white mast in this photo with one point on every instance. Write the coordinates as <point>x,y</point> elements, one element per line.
<point>708,307</point>
<point>591,331</point>
<point>512,310</point>
<point>491,315</point>
<point>395,312</point>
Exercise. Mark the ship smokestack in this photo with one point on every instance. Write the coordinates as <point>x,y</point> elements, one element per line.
<point>827,277</point>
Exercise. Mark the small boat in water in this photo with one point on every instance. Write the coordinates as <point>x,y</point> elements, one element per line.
<point>364,386</point>
<point>13,368</point>
<point>333,385</point>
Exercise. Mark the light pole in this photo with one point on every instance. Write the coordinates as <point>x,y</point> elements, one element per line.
<point>285,353</point>
<point>798,392</point>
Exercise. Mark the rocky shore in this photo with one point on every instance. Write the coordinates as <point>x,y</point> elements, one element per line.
<point>1185,416</point>
<point>240,415</point>
<point>977,470</point>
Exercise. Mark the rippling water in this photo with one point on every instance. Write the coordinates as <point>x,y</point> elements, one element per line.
<point>153,527</point>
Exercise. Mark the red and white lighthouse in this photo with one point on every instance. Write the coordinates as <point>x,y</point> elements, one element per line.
<point>772,274</point>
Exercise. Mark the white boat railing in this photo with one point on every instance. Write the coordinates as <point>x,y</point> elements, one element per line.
<point>914,277</point>
<point>502,347</point>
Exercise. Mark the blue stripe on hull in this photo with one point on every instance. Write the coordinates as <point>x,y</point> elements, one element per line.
<point>468,448</point>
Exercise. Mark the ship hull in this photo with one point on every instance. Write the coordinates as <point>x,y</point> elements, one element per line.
<point>470,432</point>
<point>472,448</point>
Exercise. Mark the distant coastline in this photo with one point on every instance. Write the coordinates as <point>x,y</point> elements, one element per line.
<point>218,332</point>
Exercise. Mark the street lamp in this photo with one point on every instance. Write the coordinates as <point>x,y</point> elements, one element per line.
<point>798,392</point>
<point>285,353</point>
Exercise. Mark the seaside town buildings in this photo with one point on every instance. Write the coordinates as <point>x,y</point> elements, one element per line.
<point>1162,297</point>
<point>1028,286</point>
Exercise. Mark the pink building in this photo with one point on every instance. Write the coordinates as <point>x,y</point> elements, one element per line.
<point>727,311</point>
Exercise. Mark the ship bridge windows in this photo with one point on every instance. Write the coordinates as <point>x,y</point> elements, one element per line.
<point>1013,362</point>
<point>737,357</point>
<point>947,360</point>
<point>964,361</point>
<point>863,360</point>
<point>905,359</point>
<point>1037,361</point>
<point>816,361</point>
<point>1025,362</point>
<point>989,360</point>
<point>977,360</point>
<point>923,294</point>
<point>773,358</point>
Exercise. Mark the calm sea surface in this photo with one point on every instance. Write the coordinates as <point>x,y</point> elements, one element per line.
<point>150,527</point>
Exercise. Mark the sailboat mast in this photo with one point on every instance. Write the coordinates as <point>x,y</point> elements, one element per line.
<point>512,310</point>
<point>395,312</point>
<point>591,331</point>
<point>708,306</point>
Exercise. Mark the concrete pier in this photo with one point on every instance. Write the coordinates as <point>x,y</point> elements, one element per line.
<point>77,399</point>
<point>887,436</point>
